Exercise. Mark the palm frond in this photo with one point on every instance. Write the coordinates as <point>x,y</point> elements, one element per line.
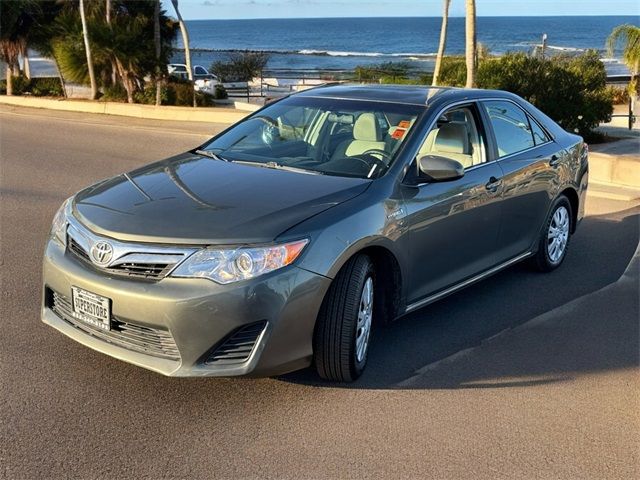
<point>628,37</point>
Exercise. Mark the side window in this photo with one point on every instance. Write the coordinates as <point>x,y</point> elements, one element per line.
<point>539,135</point>
<point>455,136</point>
<point>510,126</point>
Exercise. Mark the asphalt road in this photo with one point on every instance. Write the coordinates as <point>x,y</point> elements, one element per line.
<point>523,376</point>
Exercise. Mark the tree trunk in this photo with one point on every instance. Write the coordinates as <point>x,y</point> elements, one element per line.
<point>87,48</point>
<point>185,41</point>
<point>156,39</point>
<point>470,29</point>
<point>25,62</point>
<point>9,79</point>
<point>443,41</point>
<point>126,80</point>
<point>107,8</point>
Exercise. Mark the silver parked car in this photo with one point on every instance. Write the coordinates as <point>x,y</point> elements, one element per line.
<point>283,241</point>
<point>203,80</point>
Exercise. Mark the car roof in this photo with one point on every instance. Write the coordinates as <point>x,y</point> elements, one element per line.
<point>404,94</point>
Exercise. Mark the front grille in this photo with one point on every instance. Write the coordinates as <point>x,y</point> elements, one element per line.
<point>142,270</point>
<point>238,347</point>
<point>152,271</point>
<point>151,341</point>
<point>77,249</point>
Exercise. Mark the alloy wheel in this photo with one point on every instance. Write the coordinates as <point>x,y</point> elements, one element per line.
<point>558,234</point>
<point>365,315</point>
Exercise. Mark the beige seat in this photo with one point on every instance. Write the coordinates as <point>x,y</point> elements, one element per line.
<point>366,136</point>
<point>451,140</point>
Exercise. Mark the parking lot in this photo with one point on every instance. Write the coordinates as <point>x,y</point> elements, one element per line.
<point>522,376</point>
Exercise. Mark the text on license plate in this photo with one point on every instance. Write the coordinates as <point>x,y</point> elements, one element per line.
<point>91,308</point>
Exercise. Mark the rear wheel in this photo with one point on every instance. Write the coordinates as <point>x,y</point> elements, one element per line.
<point>343,328</point>
<point>555,237</point>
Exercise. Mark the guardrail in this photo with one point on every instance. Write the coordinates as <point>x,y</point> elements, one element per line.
<point>630,116</point>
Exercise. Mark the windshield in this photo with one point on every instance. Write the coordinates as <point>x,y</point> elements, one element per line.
<point>321,136</point>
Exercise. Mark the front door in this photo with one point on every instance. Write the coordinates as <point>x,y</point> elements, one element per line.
<point>453,226</point>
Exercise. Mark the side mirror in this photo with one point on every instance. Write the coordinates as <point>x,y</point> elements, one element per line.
<point>434,168</point>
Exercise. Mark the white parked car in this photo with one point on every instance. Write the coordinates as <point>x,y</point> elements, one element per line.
<point>203,80</point>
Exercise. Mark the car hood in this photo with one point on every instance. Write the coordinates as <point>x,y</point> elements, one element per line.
<point>190,199</point>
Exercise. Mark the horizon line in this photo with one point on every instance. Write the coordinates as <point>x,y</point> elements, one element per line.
<point>414,16</point>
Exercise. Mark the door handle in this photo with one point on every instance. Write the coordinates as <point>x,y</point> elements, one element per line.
<point>494,184</point>
<point>555,161</point>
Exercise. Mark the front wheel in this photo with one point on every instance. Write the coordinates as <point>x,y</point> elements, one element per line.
<point>555,237</point>
<point>343,329</point>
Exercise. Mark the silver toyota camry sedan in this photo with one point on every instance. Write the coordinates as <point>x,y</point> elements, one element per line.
<point>283,242</point>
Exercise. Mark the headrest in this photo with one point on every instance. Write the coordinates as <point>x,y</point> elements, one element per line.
<point>452,138</point>
<point>366,128</point>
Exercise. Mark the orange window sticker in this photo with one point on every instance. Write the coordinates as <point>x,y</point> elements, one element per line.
<point>398,133</point>
<point>404,124</point>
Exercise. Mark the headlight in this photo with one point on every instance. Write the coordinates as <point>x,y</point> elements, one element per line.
<point>232,265</point>
<point>59,224</point>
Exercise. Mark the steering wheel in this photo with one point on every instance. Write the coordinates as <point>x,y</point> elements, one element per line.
<point>269,130</point>
<point>377,151</point>
<point>370,160</point>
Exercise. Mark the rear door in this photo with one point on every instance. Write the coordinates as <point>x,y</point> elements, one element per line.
<point>529,159</point>
<point>453,226</point>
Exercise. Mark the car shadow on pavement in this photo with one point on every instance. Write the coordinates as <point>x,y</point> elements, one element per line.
<point>580,325</point>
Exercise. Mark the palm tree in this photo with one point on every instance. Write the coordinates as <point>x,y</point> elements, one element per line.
<point>629,36</point>
<point>443,41</point>
<point>158,48</point>
<point>16,21</point>
<point>185,41</point>
<point>87,48</point>
<point>107,7</point>
<point>123,52</point>
<point>471,44</point>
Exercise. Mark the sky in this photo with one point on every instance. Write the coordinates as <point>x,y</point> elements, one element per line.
<point>227,9</point>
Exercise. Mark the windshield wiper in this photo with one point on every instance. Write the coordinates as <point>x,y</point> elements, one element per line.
<point>210,154</point>
<point>279,166</point>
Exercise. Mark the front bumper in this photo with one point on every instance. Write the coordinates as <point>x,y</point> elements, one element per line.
<point>196,316</point>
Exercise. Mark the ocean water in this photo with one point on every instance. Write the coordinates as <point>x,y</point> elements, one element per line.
<point>343,43</point>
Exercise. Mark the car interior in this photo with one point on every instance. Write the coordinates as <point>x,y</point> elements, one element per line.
<point>359,143</point>
<point>455,136</point>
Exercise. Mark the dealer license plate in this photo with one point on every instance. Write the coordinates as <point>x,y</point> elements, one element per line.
<point>91,308</point>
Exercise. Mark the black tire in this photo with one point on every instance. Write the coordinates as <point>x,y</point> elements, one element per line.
<point>334,340</point>
<point>542,261</point>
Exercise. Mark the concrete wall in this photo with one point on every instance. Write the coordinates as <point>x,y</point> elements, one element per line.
<point>187,114</point>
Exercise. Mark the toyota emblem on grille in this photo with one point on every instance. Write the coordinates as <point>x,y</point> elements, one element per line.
<point>101,253</point>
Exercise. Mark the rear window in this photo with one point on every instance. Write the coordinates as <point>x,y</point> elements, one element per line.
<point>510,126</point>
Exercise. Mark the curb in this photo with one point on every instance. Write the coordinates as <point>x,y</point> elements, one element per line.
<point>611,191</point>
<point>622,170</point>
<point>185,114</point>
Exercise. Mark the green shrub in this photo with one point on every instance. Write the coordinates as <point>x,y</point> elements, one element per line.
<point>115,93</point>
<point>46,87</point>
<point>453,72</point>
<point>571,90</point>
<point>387,72</point>
<point>39,87</point>
<point>20,85</point>
<point>204,100</point>
<point>180,92</point>
<point>147,96</point>
<point>240,66</point>
<point>620,95</point>
<point>220,93</point>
